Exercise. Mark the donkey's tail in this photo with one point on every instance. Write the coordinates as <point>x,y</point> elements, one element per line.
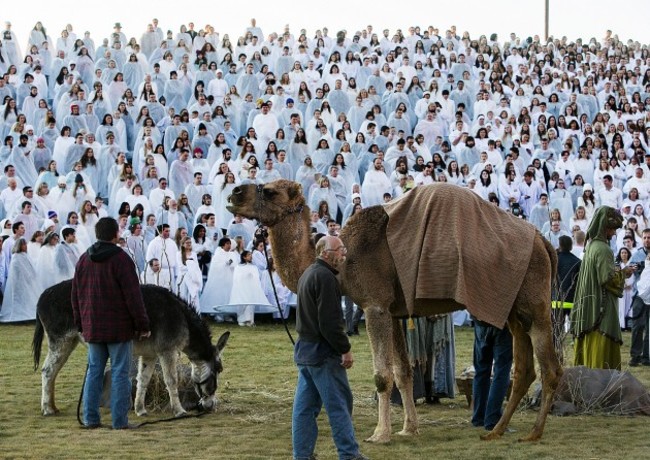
<point>37,342</point>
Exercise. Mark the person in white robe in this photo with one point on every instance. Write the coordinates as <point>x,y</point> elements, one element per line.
<point>165,251</point>
<point>220,277</point>
<point>375,184</point>
<point>155,275</point>
<point>45,262</point>
<point>20,298</point>
<point>247,292</point>
<point>190,278</point>
<point>180,173</point>
<point>66,256</point>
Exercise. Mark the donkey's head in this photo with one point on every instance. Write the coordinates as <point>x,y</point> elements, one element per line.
<point>205,376</point>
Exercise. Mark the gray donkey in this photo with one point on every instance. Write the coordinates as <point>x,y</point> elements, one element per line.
<point>175,327</point>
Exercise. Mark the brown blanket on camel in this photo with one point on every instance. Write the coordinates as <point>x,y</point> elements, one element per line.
<point>448,243</point>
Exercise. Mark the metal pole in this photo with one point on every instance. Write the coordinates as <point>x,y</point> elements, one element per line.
<point>546,8</point>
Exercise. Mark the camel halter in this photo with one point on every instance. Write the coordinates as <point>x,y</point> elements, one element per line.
<point>288,210</point>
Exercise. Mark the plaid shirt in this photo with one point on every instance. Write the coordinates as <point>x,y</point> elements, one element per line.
<point>106,299</point>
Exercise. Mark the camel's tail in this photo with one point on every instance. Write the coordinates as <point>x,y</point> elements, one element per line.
<point>37,342</point>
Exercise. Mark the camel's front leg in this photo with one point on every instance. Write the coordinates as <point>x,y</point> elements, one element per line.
<point>404,380</point>
<point>170,374</point>
<point>146,367</point>
<point>379,324</point>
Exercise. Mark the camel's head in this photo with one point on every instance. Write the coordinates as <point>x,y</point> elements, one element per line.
<point>268,203</point>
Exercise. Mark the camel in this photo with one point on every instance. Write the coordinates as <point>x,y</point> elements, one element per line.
<point>370,279</point>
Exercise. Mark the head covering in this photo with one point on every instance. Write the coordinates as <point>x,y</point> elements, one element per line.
<point>4,231</point>
<point>587,187</point>
<point>47,223</point>
<point>51,214</point>
<point>605,218</point>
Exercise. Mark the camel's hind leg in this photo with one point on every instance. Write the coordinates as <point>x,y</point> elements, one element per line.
<point>550,369</point>
<point>523,378</point>
<point>379,324</point>
<point>146,367</point>
<point>170,373</point>
<point>403,374</point>
<point>530,324</point>
<point>57,355</point>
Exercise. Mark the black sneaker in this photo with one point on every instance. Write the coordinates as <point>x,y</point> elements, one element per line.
<point>128,426</point>
<point>92,426</point>
<point>634,363</point>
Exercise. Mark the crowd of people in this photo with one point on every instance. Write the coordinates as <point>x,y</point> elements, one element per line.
<point>157,131</point>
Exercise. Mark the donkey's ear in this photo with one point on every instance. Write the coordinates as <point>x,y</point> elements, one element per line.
<point>295,190</point>
<point>223,340</point>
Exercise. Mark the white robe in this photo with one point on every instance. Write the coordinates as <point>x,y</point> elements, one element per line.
<point>375,184</point>
<point>165,251</point>
<point>190,281</point>
<point>220,277</point>
<point>247,292</point>
<point>20,298</point>
<point>65,261</point>
<point>45,267</point>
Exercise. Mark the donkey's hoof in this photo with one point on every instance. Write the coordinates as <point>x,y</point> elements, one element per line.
<point>141,413</point>
<point>409,432</point>
<point>47,411</point>
<point>379,438</point>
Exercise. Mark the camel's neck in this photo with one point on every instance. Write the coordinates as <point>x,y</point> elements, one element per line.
<point>292,247</point>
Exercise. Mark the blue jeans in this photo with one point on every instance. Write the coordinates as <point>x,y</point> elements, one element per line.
<point>98,354</point>
<point>490,345</point>
<point>326,384</point>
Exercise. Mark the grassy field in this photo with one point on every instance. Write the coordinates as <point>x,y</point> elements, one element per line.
<point>253,420</point>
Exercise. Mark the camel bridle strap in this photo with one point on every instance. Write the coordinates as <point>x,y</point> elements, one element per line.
<point>275,292</point>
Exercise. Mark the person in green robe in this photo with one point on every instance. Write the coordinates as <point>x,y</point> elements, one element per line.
<point>594,318</point>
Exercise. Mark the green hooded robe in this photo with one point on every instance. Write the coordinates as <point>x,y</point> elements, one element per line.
<point>594,317</point>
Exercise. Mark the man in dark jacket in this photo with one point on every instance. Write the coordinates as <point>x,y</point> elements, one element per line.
<point>568,267</point>
<point>109,311</point>
<point>322,354</point>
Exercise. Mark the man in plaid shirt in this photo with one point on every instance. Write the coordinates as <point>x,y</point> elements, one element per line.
<point>109,311</point>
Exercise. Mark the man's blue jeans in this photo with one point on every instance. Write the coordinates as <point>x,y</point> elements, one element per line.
<point>120,355</point>
<point>326,385</point>
<point>490,344</point>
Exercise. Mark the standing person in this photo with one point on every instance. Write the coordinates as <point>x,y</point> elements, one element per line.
<point>108,309</point>
<point>492,347</point>
<point>322,355</point>
<point>20,298</point>
<point>640,310</point>
<point>66,255</point>
<point>594,317</point>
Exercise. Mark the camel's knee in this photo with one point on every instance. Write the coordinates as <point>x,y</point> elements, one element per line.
<point>383,383</point>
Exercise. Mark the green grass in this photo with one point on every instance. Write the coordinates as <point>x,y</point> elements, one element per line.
<point>253,420</point>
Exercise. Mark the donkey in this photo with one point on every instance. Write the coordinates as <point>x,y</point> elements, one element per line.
<point>175,327</point>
